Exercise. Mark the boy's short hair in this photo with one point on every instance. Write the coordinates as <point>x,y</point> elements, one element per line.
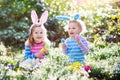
<point>80,23</point>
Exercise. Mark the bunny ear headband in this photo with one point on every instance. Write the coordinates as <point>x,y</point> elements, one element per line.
<point>76,17</point>
<point>39,21</point>
<point>65,18</point>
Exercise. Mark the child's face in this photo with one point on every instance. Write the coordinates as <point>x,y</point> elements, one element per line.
<point>38,34</point>
<point>73,29</point>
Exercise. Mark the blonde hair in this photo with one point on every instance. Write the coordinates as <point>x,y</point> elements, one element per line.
<point>79,23</point>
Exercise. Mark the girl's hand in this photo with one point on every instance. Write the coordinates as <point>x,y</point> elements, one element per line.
<point>78,39</point>
<point>43,51</point>
<point>38,55</point>
<point>46,52</point>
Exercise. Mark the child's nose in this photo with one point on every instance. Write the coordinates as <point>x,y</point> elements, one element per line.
<point>39,34</point>
<point>70,30</point>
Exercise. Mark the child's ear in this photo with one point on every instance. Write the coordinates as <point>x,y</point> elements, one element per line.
<point>80,30</point>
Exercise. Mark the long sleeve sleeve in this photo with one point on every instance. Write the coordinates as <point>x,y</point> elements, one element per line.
<point>64,50</point>
<point>84,46</point>
<point>28,53</point>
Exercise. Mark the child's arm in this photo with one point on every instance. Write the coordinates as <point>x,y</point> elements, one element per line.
<point>64,49</point>
<point>41,54</point>
<point>44,51</point>
<point>38,55</point>
<point>28,53</point>
<point>83,44</point>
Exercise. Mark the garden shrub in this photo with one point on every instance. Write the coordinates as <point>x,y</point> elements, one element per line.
<point>102,22</point>
<point>102,53</point>
<point>2,49</point>
<point>53,67</point>
<point>116,70</point>
<point>15,20</point>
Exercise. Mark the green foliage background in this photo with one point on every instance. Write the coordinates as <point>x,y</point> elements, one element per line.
<point>103,33</point>
<point>102,20</point>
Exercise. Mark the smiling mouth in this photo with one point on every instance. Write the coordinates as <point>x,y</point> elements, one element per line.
<point>71,33</point>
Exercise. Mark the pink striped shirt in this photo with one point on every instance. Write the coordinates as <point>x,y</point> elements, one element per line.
<point>37,47</point>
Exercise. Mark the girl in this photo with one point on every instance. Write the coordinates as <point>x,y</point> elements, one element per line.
<point>75,46</point>
<point>35,46</point>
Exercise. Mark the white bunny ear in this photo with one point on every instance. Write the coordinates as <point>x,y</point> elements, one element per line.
<point>43,18</point>
<point>34,17</point>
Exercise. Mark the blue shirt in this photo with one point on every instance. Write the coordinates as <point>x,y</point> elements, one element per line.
<point>76,52</point>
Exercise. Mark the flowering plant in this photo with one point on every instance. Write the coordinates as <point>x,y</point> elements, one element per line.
<point>80,68</point>
<point>30,63</point>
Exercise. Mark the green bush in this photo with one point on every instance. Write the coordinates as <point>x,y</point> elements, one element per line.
<point>54,66</point>
<point>102,22</point>
<point>15,20</point>
<point>102,53</point>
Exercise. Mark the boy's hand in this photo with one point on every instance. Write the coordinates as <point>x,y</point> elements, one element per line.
<point>63,45</point>
<point>78,39</point>
<point>62,40</point>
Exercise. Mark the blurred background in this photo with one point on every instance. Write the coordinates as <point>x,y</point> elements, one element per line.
<point>102,20</point>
